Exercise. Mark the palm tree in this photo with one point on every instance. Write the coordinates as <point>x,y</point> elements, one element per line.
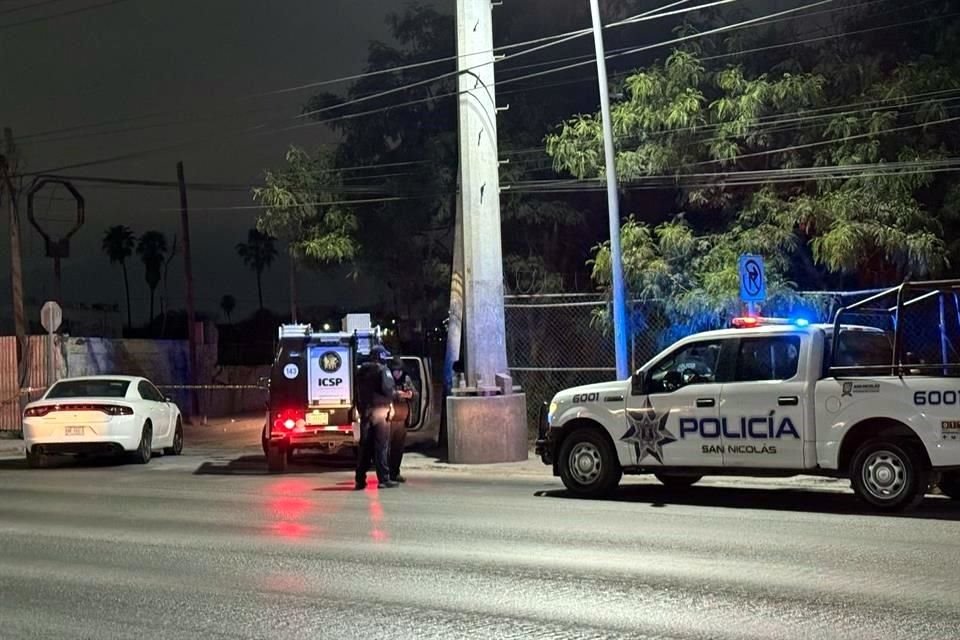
<point>258,253</point>
<point>118,244</point>
<point>227,304</point>
<point>152,249</point>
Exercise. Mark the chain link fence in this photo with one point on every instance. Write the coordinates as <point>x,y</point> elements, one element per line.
<point>557,341</point>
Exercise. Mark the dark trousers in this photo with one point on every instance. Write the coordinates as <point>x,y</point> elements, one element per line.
<point>374,445</point>
<point>398,440</point>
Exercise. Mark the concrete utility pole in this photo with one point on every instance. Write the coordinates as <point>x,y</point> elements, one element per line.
<point>8,166</point>
<point>188,273</point>
<point>486,351</point>
<point>613,202</point>
<point>489,426</point>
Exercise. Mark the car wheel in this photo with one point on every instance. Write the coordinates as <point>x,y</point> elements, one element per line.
<point>276,459</point>
<point>588,464</point>
<point>950,485</point>
<point>177,447</point>
<point>37,460</point>
<point>673,481</point>
<point>889,475</point>
<point>145,448</point>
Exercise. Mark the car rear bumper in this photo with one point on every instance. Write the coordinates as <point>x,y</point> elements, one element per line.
<point>117,434</point>
<point>76,448</point>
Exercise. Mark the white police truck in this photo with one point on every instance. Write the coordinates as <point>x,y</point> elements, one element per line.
<point>874,397</point>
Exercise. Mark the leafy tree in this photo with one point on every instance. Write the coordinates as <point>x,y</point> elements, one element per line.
<point>118,244</point>
<point>228,304</point>
<point>821,160</point>
<point>152,249</point>
<point>301,208</point>
<point>258,253</point>
<point>405,244</point>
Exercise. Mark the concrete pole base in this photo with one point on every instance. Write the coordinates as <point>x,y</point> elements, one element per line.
<point>487,429</point>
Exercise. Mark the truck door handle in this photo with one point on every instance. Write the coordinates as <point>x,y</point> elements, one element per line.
<point>788,401</point>
<point>703,403</point>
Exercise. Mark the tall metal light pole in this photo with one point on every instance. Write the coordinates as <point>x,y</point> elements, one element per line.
<point>613,202</point>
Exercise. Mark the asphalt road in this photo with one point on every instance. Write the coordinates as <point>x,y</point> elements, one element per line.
<point>207,547</point>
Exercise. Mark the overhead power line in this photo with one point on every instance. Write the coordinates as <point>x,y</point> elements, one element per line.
<point>28,7</point>
<point>262,128</point>
<point>102,5</point>
<point>562,37</point>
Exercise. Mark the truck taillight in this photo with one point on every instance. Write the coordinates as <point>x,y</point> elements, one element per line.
<point>288,420</point>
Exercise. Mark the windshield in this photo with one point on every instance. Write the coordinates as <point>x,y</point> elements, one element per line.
<point>89,389</point>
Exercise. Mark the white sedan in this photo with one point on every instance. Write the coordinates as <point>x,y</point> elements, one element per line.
<point>102,414</point>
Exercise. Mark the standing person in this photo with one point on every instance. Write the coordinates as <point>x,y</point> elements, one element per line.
<point>375,393</point>
<point>404,392</point>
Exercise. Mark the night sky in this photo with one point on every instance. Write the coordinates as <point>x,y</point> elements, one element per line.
<point>190,61</point>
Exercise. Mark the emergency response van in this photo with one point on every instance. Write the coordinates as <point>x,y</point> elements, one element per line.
<point>312,397</point>
<point>874,397</point>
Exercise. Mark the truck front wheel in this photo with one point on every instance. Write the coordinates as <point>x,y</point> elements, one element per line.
<point>950,484</point>
<point>890,476</point>
<point>588,464</point>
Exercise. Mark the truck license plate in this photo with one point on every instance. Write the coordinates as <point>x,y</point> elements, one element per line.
<point>320,418</point>
<point>73,431</point>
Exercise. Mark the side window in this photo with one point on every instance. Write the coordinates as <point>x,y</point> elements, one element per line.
<point>773,358</point>
<point>692,364</point>
<point>159,397</point>
<point>149,392</point>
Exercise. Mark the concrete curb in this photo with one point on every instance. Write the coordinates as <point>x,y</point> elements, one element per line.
<point>11,450</point>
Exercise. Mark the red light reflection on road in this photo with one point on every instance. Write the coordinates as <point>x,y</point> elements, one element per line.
<point>286,505</point>
<point>290,530</point>
<point>375,510</point>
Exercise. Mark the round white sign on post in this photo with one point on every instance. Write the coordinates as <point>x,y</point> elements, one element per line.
<point>291,371</point>
<point>51,316</point>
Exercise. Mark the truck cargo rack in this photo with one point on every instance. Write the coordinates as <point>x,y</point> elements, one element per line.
<point>919,315</point>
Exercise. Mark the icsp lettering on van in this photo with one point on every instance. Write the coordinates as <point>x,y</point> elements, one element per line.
<point>330,382</point>
<point>750,428</point>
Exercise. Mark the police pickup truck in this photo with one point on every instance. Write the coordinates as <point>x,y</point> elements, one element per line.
<point>312,399</point>
<point>873,397</point>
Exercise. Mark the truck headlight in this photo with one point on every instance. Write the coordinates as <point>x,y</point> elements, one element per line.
<point>551,412</point>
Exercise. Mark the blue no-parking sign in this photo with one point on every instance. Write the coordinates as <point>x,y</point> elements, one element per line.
<point>753,281</point>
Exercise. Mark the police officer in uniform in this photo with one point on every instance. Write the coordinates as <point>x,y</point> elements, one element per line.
<point>403,398</point>
<point>375,394</point>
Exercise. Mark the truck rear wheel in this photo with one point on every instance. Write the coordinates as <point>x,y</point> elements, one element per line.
<point>677,481</point>
<point>276,458</point>
<point>950,484</point>
<point>889,475</point>
<point>588,464</point>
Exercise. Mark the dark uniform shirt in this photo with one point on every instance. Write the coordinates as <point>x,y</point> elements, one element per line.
<point>375,387</point>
